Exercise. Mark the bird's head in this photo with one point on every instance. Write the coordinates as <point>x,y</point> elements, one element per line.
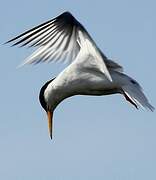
<point>46,106</point>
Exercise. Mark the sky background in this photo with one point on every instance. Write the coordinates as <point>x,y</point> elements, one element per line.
<point>94,137</point>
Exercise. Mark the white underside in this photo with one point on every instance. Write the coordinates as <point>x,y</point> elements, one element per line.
<point>85,79</point>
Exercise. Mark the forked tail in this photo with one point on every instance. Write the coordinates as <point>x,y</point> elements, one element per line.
<point>134,94</point>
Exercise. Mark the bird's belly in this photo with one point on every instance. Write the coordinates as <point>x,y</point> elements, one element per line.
<point>91,85</point>
<point>83,83</point>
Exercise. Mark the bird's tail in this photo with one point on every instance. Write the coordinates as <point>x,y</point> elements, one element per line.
<point>134,94</point>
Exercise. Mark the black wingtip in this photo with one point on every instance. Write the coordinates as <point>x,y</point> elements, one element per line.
<point>21,38</point>
<point>11,40</point>
<point>5,43</point>
<point>66,17</point>
<point>66,13</point>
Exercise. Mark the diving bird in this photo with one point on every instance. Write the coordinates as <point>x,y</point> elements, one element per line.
<point>90,72</point>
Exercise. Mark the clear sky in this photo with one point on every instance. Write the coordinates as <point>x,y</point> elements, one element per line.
<point>94,137</point>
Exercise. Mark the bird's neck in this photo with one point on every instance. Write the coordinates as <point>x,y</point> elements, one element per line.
<point>55,92</point>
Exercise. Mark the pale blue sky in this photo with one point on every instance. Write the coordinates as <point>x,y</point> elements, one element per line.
<point>94,137</point>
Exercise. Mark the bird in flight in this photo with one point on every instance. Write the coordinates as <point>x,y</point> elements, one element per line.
<point>90,72</point>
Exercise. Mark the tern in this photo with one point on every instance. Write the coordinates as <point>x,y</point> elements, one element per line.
<point>89,71</point>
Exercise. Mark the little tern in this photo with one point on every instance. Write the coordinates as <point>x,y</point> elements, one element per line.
<point>90,72</point>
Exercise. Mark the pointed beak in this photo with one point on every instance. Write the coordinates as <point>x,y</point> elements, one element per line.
<point>50,122</point>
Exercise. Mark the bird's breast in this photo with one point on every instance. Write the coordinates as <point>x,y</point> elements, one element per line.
<point>72,82</point>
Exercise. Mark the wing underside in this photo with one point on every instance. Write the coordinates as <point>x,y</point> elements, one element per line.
<point>60,39</point>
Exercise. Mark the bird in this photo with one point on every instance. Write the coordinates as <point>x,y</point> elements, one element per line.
<point>89,71</point>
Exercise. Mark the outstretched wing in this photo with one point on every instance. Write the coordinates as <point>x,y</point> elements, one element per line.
<point>60,39</point>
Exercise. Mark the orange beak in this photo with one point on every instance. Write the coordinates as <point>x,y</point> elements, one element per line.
<point>50,123</point>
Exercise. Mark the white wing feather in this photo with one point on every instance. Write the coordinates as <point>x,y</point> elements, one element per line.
<point>61,38</point>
